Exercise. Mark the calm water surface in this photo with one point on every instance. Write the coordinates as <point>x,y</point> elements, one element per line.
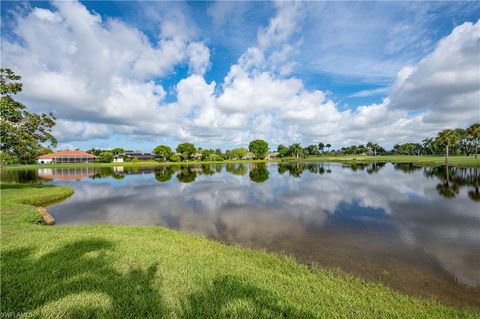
<point>417,229</point>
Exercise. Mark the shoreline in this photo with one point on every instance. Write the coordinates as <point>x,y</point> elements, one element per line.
<point>456,161</point>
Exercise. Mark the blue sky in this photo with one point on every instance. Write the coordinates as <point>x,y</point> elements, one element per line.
<point>137,74</point>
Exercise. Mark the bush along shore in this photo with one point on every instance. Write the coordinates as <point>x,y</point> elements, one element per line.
<point>107,271</point>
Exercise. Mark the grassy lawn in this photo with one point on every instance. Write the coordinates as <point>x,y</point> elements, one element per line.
<point>105,271</point>
<point>460,161</point>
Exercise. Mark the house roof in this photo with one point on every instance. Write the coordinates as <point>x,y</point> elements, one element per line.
<point>68,154</point>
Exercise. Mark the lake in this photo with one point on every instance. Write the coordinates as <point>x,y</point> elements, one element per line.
<point>416,229</point>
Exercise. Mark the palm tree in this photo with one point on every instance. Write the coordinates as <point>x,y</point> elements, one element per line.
<point>321,146</point>
<point>328,146</point>
<point>296,149</point>
<point>474,132</point>
<point>429,145</point>
<point>447,138</point>
<point>373,147</point>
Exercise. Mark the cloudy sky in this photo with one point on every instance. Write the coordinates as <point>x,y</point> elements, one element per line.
<point>219,74</point>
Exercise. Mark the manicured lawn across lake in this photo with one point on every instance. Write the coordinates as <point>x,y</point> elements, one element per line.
<point>150,272</point>
<point>459,161</point>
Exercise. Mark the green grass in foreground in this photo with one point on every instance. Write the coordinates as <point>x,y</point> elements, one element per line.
<point>107,271</point>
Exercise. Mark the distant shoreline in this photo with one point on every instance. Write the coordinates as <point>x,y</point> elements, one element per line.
<point>457,161</point>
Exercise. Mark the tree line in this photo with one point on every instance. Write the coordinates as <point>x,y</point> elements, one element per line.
<point>456,142</point>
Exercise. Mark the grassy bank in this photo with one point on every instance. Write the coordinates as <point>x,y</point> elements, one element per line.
<point>460,161</point>
<point>152,272</point>
<point>130,164</point>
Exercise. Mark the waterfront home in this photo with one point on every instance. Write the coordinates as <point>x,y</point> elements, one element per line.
<point>66,157</point>
<point>271,155</point>
<point>196,156</point>
<point>119,158</point>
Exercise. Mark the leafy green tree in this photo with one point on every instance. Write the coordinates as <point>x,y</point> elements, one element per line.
<point>328,147</point>
<point>206,154</point>
<point>239,152</point>
<point>282,150</point>
<point>429,145</point>
<point>312,149</point>
<point>216,157</point>
<point>163,151</point>
<point>259,173</point>
<point>447,138</point>
<point>94,151</point>
<point>117,150</point>
<point>21,132</point>
<point>259,148</point>
<point>44,150</point>
<point>474,132</point>
<point>175,158</point>
<point>105,157</point>
<point>373,147</point>
<point>219,152</point>
<point>321,146</point>
<point>186,150</point>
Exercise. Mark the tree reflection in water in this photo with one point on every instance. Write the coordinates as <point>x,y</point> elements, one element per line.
<point>259,172</point>
<point>296,169</point>
<point>452,179</point>
<point>165,173</point>
<point>188,174</point>
<point>239,169</point>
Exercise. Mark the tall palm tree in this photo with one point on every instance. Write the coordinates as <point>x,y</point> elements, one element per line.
<point>296,149</point>
<point>370,146</point>
<point>373,147</point>
<point>321,146</point>
<point>429,145</point>
<point>474,132</point>
<point>447,138</point>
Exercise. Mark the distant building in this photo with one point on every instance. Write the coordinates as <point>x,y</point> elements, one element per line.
<point>196,156</point>
<point>249,156</point>
<point>271,155</point>
<point>119,158</point>
<point>66,157</point>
